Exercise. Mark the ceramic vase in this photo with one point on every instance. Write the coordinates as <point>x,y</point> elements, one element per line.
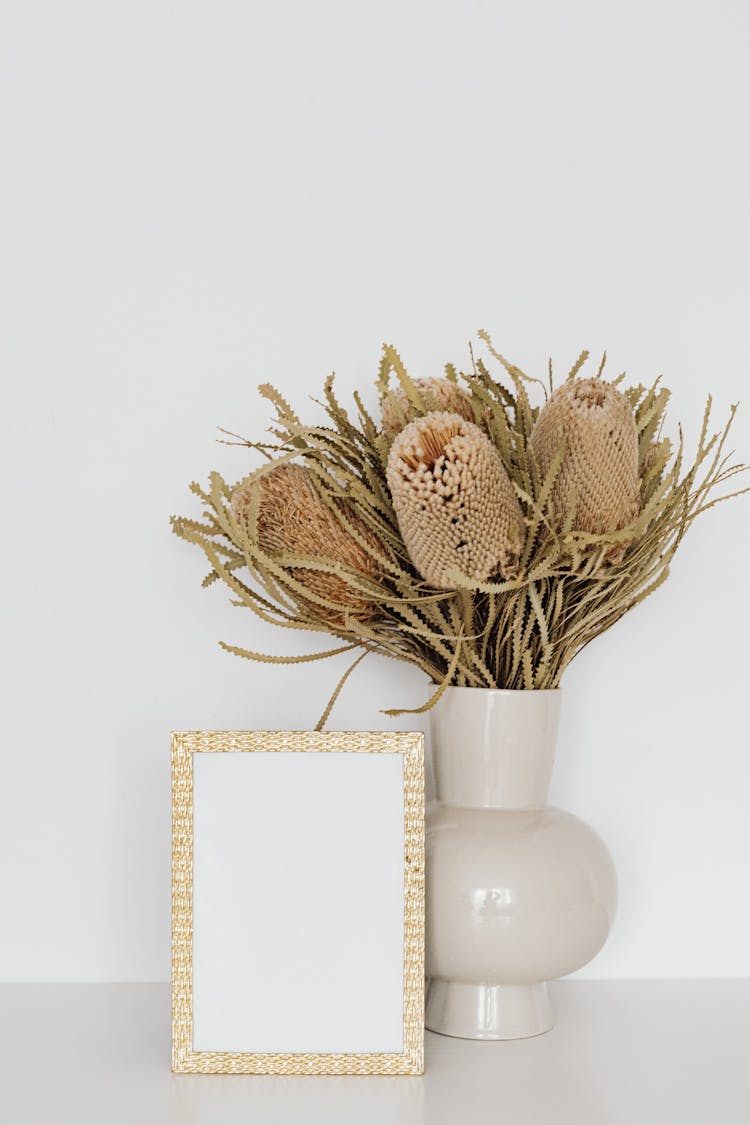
<point>518,893</point>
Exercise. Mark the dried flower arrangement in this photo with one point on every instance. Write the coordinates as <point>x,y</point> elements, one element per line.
<point>469,532</point>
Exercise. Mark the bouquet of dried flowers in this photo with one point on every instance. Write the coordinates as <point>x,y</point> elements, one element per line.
<point>484,539</point>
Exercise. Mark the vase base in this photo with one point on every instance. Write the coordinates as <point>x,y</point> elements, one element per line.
<point>487,1011</point>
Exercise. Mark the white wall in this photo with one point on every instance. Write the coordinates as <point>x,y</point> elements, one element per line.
<point>197,198</point>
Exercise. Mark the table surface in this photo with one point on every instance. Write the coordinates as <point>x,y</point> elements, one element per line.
<point>621,1053</point>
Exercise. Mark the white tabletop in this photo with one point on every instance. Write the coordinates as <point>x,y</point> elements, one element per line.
<point>622,1053</point>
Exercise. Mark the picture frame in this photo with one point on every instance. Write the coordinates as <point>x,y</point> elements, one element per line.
<point>297,902</point>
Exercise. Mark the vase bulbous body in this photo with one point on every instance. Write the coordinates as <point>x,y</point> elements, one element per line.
<point>518,893</point>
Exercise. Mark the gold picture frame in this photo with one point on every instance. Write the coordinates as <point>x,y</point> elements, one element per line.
<point>185,1060</point>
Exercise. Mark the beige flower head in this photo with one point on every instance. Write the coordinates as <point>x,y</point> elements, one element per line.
<point>594,426</point>
<point>438,394</point>
<point>293,519</point>
<point>454,501</point>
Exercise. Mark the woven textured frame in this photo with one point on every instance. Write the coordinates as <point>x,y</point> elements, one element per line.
<point>187,1061</point>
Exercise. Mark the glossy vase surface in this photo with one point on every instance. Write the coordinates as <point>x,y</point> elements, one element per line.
<point>518,893</point>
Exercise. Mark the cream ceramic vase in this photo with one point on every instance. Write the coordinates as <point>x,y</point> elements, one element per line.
<point>518,893</point>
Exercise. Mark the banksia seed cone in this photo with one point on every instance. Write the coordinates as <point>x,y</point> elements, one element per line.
<point>454,501</point>
<point>593,424</point>
<point>293,519</point>
<point>397,410</point>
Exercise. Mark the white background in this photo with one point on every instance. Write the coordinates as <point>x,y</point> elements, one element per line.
<point>197,198</point>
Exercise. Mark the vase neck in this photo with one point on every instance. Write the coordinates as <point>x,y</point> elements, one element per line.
<point>494,749</point>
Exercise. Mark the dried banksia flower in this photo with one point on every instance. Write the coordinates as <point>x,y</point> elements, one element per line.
<point>440,394</point>
<point>594,426</point>
<point>293,519</point>
<point>454,501</point>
